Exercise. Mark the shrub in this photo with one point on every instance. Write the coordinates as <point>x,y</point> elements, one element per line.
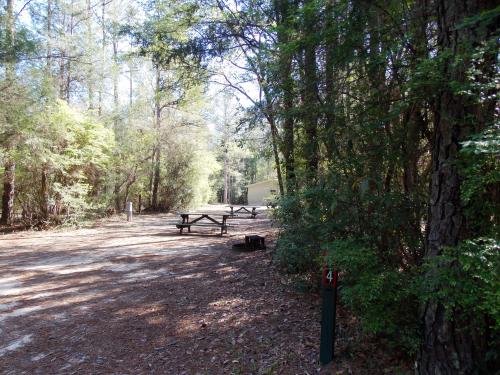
<point>383,298</point>
<point>465,279</point>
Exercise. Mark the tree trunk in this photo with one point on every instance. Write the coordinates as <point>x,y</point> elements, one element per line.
<point>103,58</point>
<point>65,74</point>
<point>446,348</point>
<point>156,162</point>
<point>8,193</point>
<point>9,175</point>
<point>330,75</point>
<point>44,192</point>
<point>226,180</point>
<point>116,193</point>
<point>90,72</point>
<point>49,37</point>
<point>286,86</point>
<point>118,132</point>
<point>127,190</point>
<point>274,139</point>
<point>116,127</point>
<point>156,181</point>
<point>152,176</point>
<point>310,107</point>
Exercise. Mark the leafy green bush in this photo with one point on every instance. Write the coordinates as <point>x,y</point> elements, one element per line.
<point>481,184</point>
<point>465,279</point>
<point>296,249</point>
<point>383,298</point>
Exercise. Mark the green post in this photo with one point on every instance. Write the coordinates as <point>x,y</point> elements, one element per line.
<point>328,317</point>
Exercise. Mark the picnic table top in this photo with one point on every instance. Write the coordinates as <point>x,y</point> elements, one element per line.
<point>204,213</point>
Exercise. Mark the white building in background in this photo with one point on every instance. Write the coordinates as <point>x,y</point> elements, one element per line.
<point>261,192</point>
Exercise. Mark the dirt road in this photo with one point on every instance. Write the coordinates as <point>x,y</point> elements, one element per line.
<point>138,298</point>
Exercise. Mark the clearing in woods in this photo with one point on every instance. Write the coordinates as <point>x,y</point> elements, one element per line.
<point>138,298</point>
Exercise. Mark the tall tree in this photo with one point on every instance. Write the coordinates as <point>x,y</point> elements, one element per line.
<point>285,84</point>
<point>446,348</point>
<point>9,176</point>
<point>310,89</point>
<point>156,159</point>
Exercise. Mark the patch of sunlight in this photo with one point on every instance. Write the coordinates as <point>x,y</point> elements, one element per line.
<point>227,303</point>
<point>16,344</point>
<point>10,286</point>
<point>63,302</point>
<point>21,312</point>
<point>229,269</point>
<point>198,275</point>
<point>63,265</point>
<point>8,306</point>
<point>146,275</point>
<point>38,357</point>
<point>57,292</point>
<point>122,267</point>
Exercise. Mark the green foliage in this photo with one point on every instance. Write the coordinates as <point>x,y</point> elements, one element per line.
<point>465,279</point>
<point>74,151</point>
<point>297,246</point>
<point>185,176</point>
<point>71,139</point>
<point>383,297</point>
<point>481,170</point>
<point>74,201</point>
<point>204,166</point>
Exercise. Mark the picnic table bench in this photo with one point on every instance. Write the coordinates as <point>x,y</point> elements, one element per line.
<point>242,209</point>
<point>212,222</point>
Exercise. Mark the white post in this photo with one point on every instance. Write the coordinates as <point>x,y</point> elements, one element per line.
<point>129,211</point>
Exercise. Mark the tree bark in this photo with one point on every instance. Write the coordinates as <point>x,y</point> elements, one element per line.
<point>156,182</point>
<point>90,72</point>
<point>49,37</point>
<point>116,125</point>
<point>310,98</point>
<point>103,58</point>
<point>447,349</point>
<point>274,140</point>
<point>8,193</point>
<point>330,76</point>
<point>44,192</point>
<point>9,176</point>
<point>226,179</point>
<point>116,193</point>
<point>156,161</point>
<point>286,87</point>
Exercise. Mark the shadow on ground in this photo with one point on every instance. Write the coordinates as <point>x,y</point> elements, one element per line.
<point>139,298</point>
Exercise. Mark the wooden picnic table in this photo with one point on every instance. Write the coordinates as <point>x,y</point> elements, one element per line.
<point>210,216</point>
<point>242,209</point>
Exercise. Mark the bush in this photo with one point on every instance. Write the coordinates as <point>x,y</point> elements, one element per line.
<point>297,248</point>
<point>383,298</point>
<point>465,279</point>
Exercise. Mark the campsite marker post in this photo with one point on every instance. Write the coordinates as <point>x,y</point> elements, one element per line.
<point>328,314</point>
<point>129,211</point>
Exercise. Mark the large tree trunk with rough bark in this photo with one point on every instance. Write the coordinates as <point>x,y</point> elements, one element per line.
<point>446,347</point>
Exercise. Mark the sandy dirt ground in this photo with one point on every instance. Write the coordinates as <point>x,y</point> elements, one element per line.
<point>139,298</point>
